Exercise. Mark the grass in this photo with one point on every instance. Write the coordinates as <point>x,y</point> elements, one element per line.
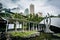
<point>27,33</point>
<point>43,36</point>
<point>22,34</point>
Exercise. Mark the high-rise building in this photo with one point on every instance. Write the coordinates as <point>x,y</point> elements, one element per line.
<point>39,14</point>
<point>26,11</point>
<point>32,9</point>
<point>0,7</point>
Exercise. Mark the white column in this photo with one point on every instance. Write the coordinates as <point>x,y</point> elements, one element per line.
<point>23,26</point>
<point>6,25</point>
<point>36,27</point>
<point>16,26</point>
<point>29,27</point>
<point>33,27</point>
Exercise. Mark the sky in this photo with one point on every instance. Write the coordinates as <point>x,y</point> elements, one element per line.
<point>45,6</point>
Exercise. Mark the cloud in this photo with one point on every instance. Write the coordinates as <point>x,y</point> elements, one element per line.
<point>54,3</point>
<point>8,4</point>
<point>44,6</point>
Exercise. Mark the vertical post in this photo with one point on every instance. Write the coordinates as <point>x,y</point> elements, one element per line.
<point>16,26</point>
<point>6,25</point>
<point>29,27</point>
<point>36,27</point>
<point>23,26</point>
<point>33,27</point>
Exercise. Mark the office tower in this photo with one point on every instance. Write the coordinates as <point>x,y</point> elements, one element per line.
<point>26,12</point>
<point>39,14</point>
<point>31,9</point>
<point>0,7</point>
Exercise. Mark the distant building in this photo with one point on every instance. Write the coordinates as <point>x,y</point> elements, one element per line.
<point>0,7</point>
<point>26,12</point>
<point>6,10</point>
<point>3,9</point>
<point>32,9</point>
<point>21,13</point>
<point>39,14</point>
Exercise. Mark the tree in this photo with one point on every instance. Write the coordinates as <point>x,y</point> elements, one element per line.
<point>34,18</point>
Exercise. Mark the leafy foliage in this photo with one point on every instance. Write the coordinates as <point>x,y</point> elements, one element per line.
<point>29,17</point>
<point>34,18</point>
<point>22,34</point>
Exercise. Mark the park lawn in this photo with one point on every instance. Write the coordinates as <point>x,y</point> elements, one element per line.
<point>22,34</point>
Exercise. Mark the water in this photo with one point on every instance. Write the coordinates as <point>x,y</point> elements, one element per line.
<point>54,22</point>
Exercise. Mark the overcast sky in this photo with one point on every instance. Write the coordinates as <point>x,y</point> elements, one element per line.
<point>44,6</point>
